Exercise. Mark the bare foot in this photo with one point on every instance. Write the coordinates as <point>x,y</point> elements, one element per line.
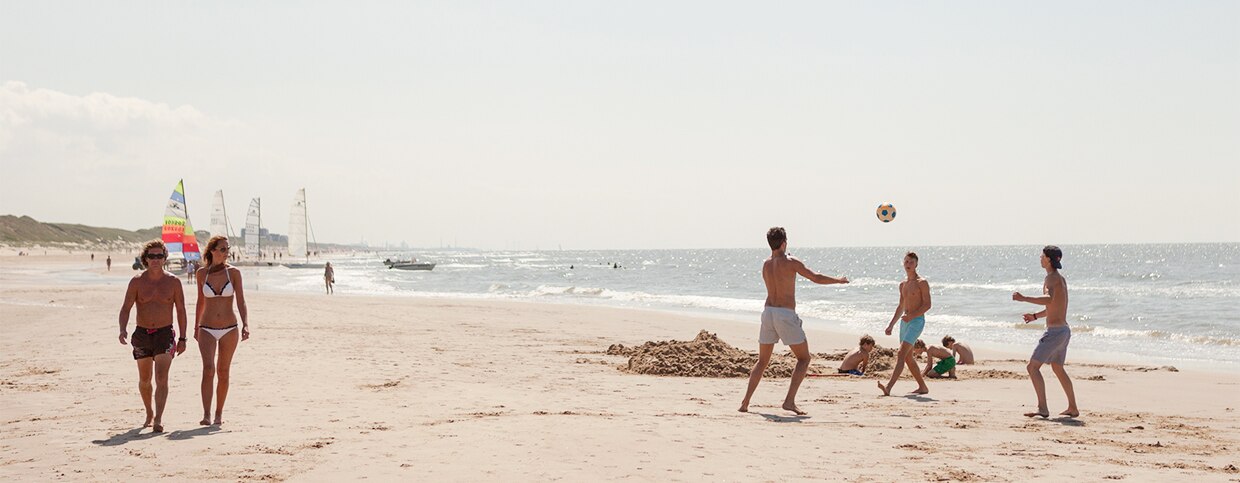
<point>1042,413</point>
<point>147,424</point>
<point>744,408</point>
<point>218,421</point>
<point>793,407</point>
<point>886,391</point>
<point>205,422</point>
<point>157,427</point>
<point>1070,412</point>
<point>924,390</point>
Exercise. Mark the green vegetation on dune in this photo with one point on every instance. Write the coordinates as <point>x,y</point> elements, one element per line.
<point>24,229</point>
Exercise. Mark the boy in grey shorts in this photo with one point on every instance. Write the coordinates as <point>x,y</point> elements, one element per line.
<point>1053,347</point>
<point>779,318</point>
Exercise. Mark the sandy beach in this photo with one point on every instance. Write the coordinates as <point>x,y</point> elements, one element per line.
<point>352,387</point>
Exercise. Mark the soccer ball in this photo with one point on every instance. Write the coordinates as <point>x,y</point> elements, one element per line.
<point>886,212</point>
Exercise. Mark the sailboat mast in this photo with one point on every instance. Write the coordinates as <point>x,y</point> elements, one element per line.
<point>260,227</point>
<point>224,206</point>
<point>310,228</point>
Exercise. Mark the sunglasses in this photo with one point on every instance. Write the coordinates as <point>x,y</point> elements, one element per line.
<point>155,256</point>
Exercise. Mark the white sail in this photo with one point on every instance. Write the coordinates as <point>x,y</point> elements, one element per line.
<point>253,223</point>
<point>297,227</point>
<point>219,217</point>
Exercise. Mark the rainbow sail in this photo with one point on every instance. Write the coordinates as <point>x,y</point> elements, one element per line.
<point>175,224</point>
<point>189,243</point>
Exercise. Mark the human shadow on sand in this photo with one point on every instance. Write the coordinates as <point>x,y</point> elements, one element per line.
<point>920,398</point>
<point>775,418</point>
<point>135,434</point>
<point>199,431</point>
<point>1065,420</point>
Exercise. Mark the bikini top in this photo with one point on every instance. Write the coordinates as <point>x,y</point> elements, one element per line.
<point>209,292</point>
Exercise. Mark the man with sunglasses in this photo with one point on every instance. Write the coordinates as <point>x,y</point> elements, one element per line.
<point>156,292</point>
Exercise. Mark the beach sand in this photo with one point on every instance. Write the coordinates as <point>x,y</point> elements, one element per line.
<point>351,387</point>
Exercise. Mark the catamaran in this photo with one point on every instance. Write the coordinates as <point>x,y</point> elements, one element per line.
<point>298,227</point>
<point>178,233</point>
<point>219,216</point>
<point>253,242</point>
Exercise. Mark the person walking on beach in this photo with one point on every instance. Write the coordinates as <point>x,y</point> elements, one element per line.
<point>911,311</point>
<point>109,262</point>
<point>1053,346</point>
<point>779,317</point>
<point>215,325</point>
<point>156,293</point>
<point>329,276</point>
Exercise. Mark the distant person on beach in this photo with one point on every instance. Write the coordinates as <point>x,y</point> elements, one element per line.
<point>961,352</point>
<point>1053,346</point>
<point>329,276</point>
<point>779,318</point>
<point>911,311</point>
<point>855,362</point>
<point>946,367</point>
<point>156,293</point>
<point>215,325</point>
<point>109,263</point>
<point>92,257</point>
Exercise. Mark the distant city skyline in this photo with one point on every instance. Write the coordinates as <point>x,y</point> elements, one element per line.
<point>594,125</point>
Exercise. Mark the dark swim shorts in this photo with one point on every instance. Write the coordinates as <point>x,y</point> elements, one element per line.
<point>152,342</point>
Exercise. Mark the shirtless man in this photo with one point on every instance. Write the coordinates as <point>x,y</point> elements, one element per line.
<point>914,303</point>
<point>1053,347</point>
<point>779,318</point>
<point>156,292</point>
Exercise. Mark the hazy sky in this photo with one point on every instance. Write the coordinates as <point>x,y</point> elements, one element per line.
<point>633,124</point>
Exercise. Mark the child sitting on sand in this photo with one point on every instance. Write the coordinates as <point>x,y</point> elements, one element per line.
<point>962,353</point>
<point>946,365</point>
<point>856,361</point>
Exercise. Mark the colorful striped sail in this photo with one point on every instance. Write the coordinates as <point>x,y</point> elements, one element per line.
<point>178,234</point>
<point>173,233</point>
<point>189,243</point>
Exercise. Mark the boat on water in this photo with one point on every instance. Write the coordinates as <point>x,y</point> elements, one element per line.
<point>426,266</point>
<point>408,264</point>
<point>298,229</point>
<point>252,255</point>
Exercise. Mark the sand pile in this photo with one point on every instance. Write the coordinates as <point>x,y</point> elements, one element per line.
<point>707,356</point>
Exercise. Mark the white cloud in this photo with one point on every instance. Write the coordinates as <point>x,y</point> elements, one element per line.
<point>62,151</point>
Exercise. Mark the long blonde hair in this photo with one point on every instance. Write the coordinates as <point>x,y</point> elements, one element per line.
<point>215,240</point>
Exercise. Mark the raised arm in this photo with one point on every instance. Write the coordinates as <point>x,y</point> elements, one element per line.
<point>1043,300</point>
<point>815,277</point>
<point>131,295</point>
<point>239,291</point>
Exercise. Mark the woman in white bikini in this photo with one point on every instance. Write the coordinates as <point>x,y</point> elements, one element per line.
<point>215,324</point>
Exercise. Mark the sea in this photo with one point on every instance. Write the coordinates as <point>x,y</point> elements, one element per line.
<point>1149,304</point>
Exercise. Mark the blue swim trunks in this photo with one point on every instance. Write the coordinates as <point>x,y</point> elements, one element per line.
<point>851,372</point>
<point>911,331</point>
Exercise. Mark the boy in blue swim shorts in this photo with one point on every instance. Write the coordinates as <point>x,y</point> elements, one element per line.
<point>911,311</point>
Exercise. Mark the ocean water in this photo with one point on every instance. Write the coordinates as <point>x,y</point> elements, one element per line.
<point>1151,304</point>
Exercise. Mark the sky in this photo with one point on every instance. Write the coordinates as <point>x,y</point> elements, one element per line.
<point>594,125</point>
